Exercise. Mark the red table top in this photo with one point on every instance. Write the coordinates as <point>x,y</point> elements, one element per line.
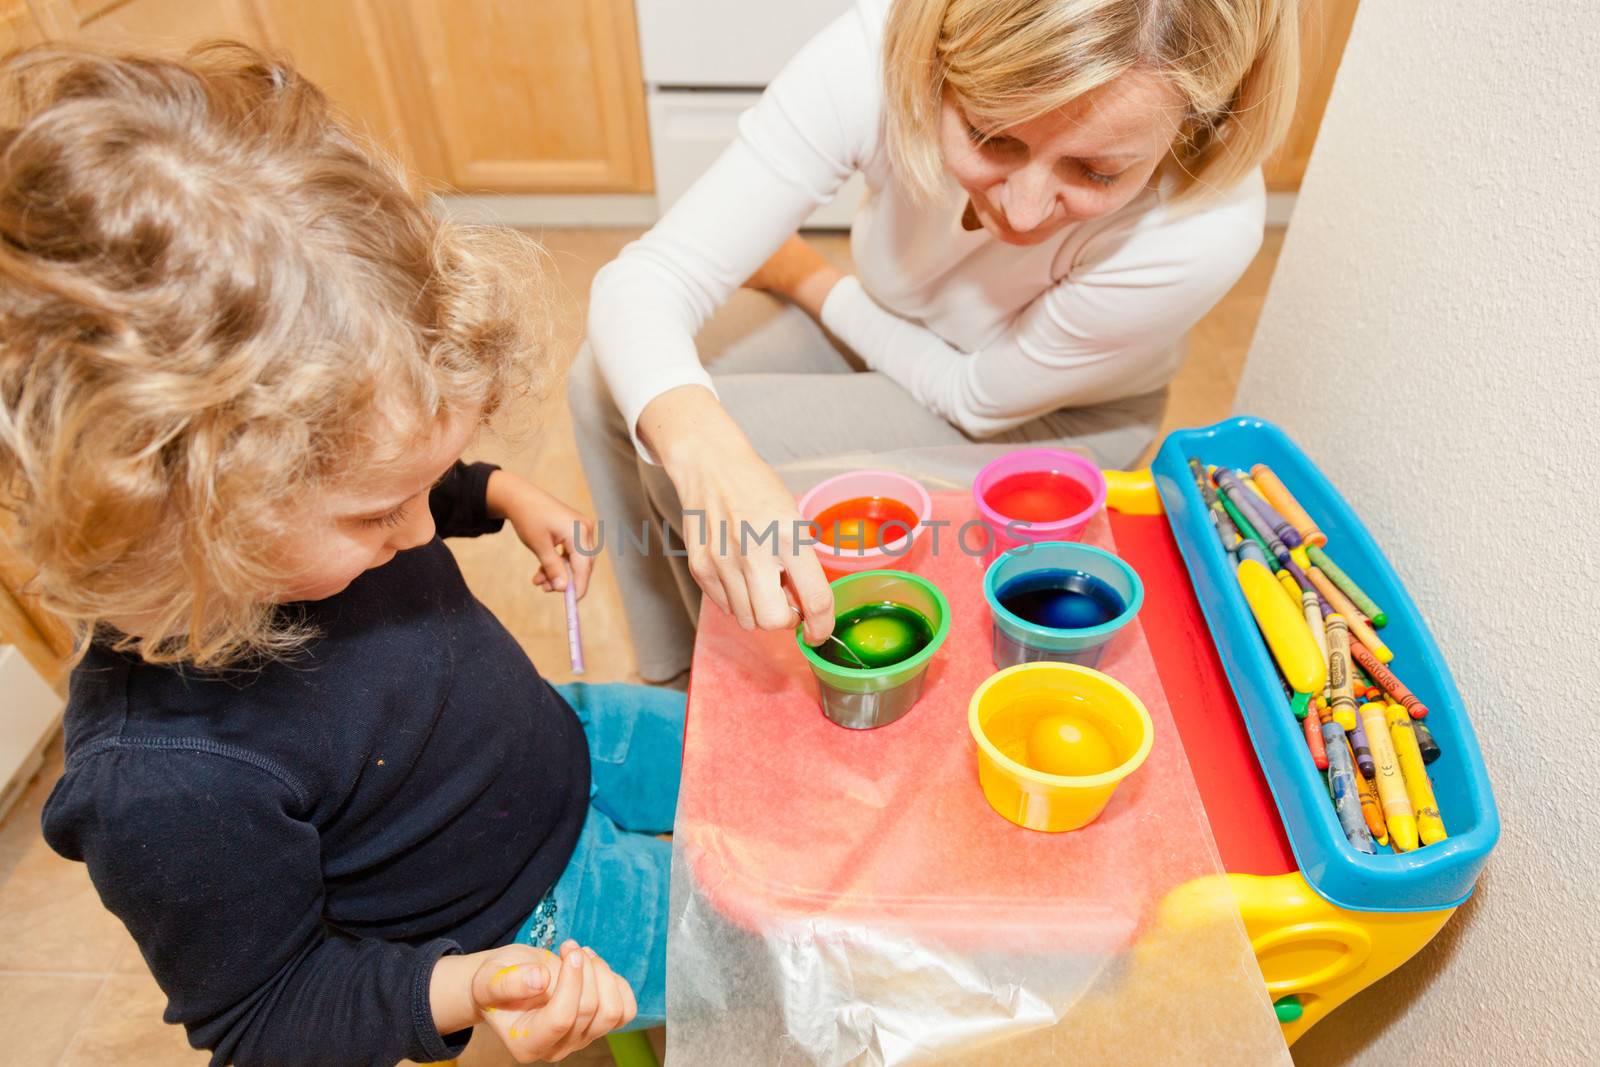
<point>1244,820</point>
<point>786,815</point>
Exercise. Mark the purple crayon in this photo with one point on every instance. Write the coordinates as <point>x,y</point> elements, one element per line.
<point>1280,525</point>
<point>574,630</point>
<point>1246,502</point>
<point>1363,750</point>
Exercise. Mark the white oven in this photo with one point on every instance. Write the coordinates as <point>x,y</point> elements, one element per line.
<point>705,62</point>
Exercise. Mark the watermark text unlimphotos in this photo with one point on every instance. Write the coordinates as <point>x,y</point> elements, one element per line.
<point>893,538</point>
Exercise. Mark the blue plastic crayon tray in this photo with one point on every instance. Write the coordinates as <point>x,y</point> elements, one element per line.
<point>1436,876</point>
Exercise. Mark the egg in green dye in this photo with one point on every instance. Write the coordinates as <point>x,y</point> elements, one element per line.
<point>878,635</point>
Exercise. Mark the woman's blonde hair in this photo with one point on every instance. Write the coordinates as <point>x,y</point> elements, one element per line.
<point>1234,63</point>
<point>215,298</point>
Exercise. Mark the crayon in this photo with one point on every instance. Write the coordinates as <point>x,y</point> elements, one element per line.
<point>1425,742</point>
<point>1280,525</point>
<point>574,629</point>
<point>1342,703</point>
<point>1248,531</point>
<point>1225,528</point>
<point>1351,613</point>
<point>1347,585</point>
<point>1362,750</point>
<point>1418,789</point>
<point>1397,810</point>
<point>1286,580</point>
<point>1342,784</point>
<point>1386,679</point>
<point>1284,628</point>
<point>1300,704</point>
<point>1314,741</point>
<point>1248,549</point>
<point>1315,620</point>
<point>1274,490</point>
<point>1303,580</point>
<point>1245,502</point>
<point>1371,810</point>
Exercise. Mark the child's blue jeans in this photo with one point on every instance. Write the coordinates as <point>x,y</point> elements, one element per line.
<point>613,895</point>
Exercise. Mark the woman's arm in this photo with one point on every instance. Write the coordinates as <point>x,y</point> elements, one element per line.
<point>1105,331</point>
<point>814,126</point>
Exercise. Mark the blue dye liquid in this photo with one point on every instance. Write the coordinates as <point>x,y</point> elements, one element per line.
<point>1061,599</point>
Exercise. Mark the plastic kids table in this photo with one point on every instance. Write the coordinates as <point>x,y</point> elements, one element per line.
<point>769,788</point>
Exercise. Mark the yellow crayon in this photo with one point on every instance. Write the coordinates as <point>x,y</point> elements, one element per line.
<point>1430,827</point>
<point>1397,811</point>
<point>1286,580</point>
<point>1352,615</point>
<point>1340,697</point>
<point>1319,632</point>
<point>1284,627</point>
<point>1371,810</point>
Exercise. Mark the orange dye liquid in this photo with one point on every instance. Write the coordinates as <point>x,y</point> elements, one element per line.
<point>858,523</point>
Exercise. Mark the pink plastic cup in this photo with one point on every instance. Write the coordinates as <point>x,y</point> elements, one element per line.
<point>1007,531</point>
<point>898,553</point>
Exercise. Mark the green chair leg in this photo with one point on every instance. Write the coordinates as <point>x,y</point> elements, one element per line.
<point>632,1049</point>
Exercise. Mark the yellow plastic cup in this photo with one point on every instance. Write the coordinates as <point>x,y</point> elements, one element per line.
<point>1065,718</point>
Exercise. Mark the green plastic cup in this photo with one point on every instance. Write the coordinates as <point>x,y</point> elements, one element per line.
<point>863,698</point>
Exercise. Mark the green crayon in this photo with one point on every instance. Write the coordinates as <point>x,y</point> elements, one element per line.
<point>1244,527</point>
<point>1347,585</point>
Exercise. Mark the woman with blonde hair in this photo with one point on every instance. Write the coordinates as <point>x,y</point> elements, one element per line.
<point>1057,191</point>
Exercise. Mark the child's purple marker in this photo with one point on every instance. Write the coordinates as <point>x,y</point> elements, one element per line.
<point>574,634</point>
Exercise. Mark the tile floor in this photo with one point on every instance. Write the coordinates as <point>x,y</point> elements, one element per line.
<point>73,987</point>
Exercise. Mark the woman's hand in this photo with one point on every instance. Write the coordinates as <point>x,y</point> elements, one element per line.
<point>744,546</point>
<point>798,272</point>
<point>541,1006</point>
<point>547,527</point>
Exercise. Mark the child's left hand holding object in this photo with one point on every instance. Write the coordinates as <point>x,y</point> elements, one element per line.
<point>541,1006</point>
<point>548,527</point>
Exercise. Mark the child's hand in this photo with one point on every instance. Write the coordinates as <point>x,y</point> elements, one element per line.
<point>545,1007</point>
<point>548,527</point>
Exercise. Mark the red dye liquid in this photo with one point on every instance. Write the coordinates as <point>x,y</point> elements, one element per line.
<point>857,523</point>
<point>1038,496</point>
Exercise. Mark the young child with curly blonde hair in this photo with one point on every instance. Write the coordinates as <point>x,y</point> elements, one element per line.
<point>335,804</point>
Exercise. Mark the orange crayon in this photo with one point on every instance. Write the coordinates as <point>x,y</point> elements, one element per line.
<point>1371,809</point>
<point>1278,496</point>
<point>1359,630</point>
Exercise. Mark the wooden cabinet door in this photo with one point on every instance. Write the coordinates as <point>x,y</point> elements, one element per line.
<point>522,95</point>
<point>340,45</point>
<point>18,26</point>
<point>1324,28</point>
<point>156,25</point>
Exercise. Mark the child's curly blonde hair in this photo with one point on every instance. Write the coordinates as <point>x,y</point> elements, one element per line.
<point>215,298</point>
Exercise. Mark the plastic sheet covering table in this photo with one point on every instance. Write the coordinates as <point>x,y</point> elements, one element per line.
<point>848,897</point>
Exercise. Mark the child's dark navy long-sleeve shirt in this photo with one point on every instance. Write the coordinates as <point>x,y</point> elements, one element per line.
<point>294,847</point>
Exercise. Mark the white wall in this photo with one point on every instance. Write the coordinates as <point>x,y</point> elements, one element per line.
<point>1438,295</point>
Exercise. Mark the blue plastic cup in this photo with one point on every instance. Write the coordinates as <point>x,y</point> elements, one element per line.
<point>1017,640</point>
